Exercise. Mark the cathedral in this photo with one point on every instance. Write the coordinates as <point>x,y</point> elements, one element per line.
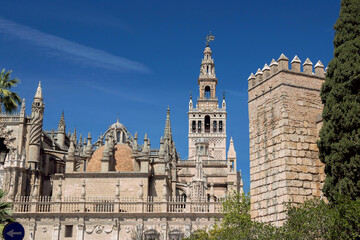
<point>66,186</point>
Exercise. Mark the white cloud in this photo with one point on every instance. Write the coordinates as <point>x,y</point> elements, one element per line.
<point>87,55</point>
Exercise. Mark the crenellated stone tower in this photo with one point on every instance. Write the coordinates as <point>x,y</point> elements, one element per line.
<point>207,120</point>
<point>283,108</point>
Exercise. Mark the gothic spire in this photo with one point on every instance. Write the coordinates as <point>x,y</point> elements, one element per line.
<point>168,132</point>
<point>231,152</point>
<point>38,93</point>
<point>61,126</point>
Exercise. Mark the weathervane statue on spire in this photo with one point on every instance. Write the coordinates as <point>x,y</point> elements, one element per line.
<point>210,37</point>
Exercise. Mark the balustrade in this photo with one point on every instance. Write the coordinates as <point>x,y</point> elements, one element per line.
<point>103,204</point>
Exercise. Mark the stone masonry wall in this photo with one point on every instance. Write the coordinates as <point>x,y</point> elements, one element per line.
<point>284,163</point>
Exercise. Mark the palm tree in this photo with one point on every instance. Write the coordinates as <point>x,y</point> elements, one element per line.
<point>10,100</point>
<point>5,209</point>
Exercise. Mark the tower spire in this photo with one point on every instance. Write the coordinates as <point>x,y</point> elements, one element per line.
<point>167,132</point>
<point>38,93</point>
<point>61,126</point>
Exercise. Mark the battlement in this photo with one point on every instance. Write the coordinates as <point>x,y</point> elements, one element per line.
<point>282,65</point>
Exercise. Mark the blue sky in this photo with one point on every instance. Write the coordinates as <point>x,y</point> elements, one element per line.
<point>97,59</point>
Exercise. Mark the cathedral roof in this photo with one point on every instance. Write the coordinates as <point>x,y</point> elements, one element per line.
<point>123,159</point>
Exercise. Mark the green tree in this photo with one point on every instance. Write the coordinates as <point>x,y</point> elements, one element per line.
<point>316,219</point>
<point>237,223</point>
<point>339,144</point>
<point>10,100</point>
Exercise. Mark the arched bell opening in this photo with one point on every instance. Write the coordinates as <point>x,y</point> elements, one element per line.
<point>207,123</point>
<point>207,92</point>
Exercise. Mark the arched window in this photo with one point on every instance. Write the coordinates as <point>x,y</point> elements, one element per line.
<point>123,137</point>
<point>199,126</point>
<point>193,126</point>
<point>117,136</point>
<point>207,92</point>
<point>220,126</point>
<point>207,123</point>
<point>215,126</point>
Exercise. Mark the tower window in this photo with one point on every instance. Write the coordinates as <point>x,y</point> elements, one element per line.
<point>199,126</point>
<point>215,126</point>
<point>117,136</point>
<point>220,126</point>
<point>207,123</point>
<point>207,92</point>
<point>123,138</point>
<point>193,126</point>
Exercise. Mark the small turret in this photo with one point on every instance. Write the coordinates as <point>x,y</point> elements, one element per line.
<point>161,150</point>
<point>134,142</point>
<point>266,71</point>
<point>22,109</point>
<point>231,157</point>
<point>258,76</point>
<point>273,67</point>
<point>70,160</point>
<point>88,146</point>
<point>251,80</point>
<point>283,62</point>
<point>61,132</point>
<point>106,156</point>
<point>295,64</point>
<point>307,66</point>
<point>145,149</point>
<point>191,105</point>
<point>319,69</point>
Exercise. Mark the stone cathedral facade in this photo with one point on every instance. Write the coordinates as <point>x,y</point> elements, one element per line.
<point>66,186</point>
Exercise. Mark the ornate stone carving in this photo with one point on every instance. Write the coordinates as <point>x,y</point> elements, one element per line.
<point>9,140</point>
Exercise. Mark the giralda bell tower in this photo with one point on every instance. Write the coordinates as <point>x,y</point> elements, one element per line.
<point>207,120</point>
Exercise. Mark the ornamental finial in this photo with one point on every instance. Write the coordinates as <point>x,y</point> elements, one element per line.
<point>210,37</point>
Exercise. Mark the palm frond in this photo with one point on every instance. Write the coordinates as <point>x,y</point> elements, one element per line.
<point>10,100</point>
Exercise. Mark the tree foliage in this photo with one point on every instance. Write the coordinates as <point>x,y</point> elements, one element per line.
<point>5,209</point>
<point>315,219</point>
<point>339,143</point>
<point>10,100</point>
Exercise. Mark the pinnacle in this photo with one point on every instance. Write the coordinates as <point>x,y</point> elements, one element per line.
<point>259,72</point>
<point>282,57</point>
<point>296,60</point>
<point>307,62</point>
<point>38,93</point>
<point>167,132</point>
<point>89,135</point>
<point>23,104</point>
<point>273,62</point>
<point>319,64</point>
<point>252,76</point>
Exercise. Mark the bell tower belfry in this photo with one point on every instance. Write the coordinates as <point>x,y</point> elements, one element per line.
<point>207,120</point>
